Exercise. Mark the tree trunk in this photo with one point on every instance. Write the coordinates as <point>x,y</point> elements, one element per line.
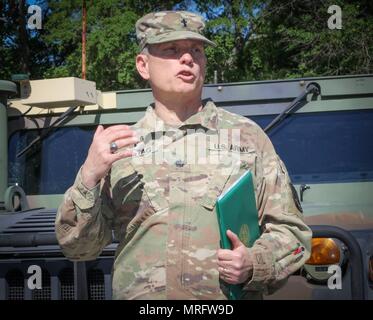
<point>23,38</point>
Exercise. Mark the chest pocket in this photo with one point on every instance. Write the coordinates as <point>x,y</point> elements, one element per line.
<point>154,185</point>
<point>135,202</point>
<point>128,197</point>
<point>225,177</point>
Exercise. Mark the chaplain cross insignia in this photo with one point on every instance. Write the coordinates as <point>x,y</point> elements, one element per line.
<point>184,22</point>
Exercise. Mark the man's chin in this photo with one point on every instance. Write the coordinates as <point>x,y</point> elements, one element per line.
<point>183,90</point>
<point>187,88</point>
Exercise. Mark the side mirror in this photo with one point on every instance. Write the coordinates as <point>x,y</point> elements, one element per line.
<point>15,199</point>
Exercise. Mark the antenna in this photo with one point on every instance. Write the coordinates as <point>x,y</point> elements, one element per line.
<point>84,31</point>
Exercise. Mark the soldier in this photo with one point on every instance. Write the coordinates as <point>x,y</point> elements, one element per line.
<point>159,199</point>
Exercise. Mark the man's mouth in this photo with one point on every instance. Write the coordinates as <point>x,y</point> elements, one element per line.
<point>186,75</point>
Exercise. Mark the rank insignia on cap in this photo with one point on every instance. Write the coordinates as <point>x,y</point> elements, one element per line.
<point>166,26</point>
<point>184,22</point>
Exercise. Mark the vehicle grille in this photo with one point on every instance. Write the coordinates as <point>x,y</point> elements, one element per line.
<point>28,238</point>
<point>96,285</point>
<point>67,284</point>
<point>15,282</point>
<point>45,292</point>
<point>60,285</point>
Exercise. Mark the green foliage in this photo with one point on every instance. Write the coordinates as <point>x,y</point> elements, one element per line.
<point>21,49</point>
<point>256,39</point>
<point>287,39</point>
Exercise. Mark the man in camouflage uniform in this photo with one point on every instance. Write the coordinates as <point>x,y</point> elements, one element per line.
<point>160,197</point>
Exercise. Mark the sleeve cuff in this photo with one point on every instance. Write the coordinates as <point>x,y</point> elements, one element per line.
<point>262,270</point>
<point>83,197</point>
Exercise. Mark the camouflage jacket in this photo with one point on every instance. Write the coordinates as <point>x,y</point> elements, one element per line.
<point>161,206</point>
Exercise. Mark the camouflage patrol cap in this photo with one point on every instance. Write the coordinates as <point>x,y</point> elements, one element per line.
<point>164,26</point>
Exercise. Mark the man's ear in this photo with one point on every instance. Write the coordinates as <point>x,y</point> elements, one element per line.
<point>142,66</point>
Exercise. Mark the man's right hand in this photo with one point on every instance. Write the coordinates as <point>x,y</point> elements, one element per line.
<point>100,159</point>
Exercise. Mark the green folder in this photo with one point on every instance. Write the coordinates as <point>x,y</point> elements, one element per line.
<point>236,210</point>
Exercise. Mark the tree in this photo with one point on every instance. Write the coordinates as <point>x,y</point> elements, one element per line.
<point>111,40</point>
<point>302,44</point>
<point>21,50</point>
<point>256,39</point>
<point>264,39</point>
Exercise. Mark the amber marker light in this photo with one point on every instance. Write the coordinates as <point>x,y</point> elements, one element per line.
<point>324,252</point>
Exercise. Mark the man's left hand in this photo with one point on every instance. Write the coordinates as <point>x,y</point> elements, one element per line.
<point>235,266</point>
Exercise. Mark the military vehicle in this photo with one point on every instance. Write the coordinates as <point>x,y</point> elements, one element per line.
<point>321,127</point>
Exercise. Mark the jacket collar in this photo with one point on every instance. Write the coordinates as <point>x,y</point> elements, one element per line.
<point>207,118</point>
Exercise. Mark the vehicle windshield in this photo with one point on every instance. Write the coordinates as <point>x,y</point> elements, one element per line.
<point>50,166</point>
<point>325,147</point>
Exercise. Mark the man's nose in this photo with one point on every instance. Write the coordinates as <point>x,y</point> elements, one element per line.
<point>186,58</point>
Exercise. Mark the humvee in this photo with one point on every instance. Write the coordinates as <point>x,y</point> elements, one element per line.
<point>322,128</point>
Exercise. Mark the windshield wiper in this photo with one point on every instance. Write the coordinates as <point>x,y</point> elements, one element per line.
<point>296,104</point>
<point>47,130</point>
